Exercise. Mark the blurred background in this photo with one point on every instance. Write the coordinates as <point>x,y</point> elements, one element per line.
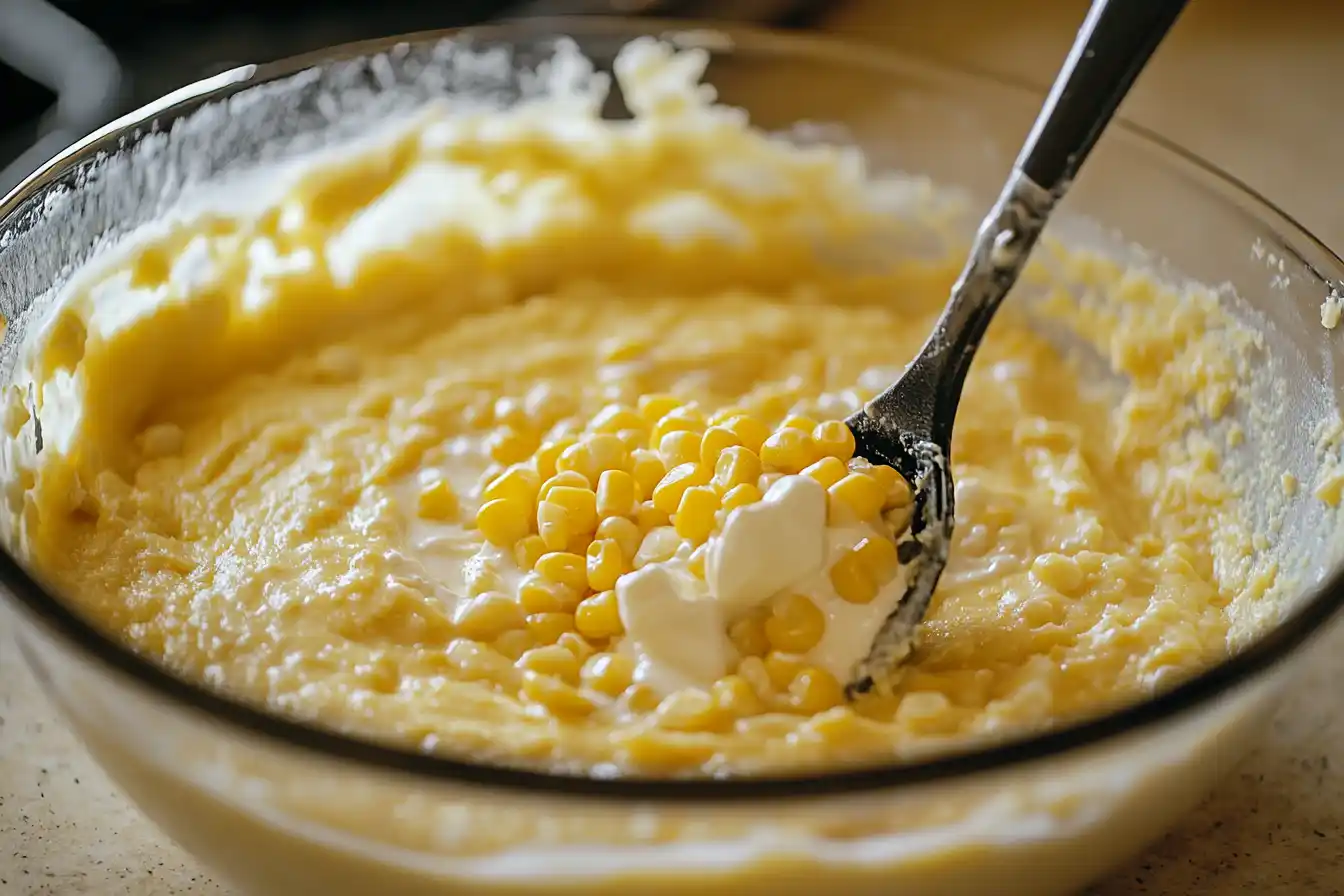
<point>1255,87</point>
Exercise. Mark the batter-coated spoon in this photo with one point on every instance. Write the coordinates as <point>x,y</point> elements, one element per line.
<point>909,426</point>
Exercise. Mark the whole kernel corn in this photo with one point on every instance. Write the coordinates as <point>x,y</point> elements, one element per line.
<point>851,579</point>
<point>552,659</point>
<point>605,565</point>
<point>694,520</point>
<point>735,696</point>
<point>607,673</point>
<point>741,496</point>
<point>528,550</point>
<point>623,531</point>
<point>482,577</point>
<point>437,501</point>
<point>788,451</point>
<point>633,439</point>
<point>815,690</point>
<point>599,617</point>
<point>615,417</point>
<point>578,458</point>
<point>658,545</point>
<point>513,643</point>
<point>647,469</point>
<point>576,644</point>
<point>795,624</point>
<point>640,698</point>
<point>510,446</point>
<point>509,411</point>
<point>695,563</point>
<point>1058,572</point>
<point>879,556</point>
<point>782,669</point>
<point>548,627</point>
<point>750,431</point>
<point>667,494</point>
<point>558,698</point>
<point>736,465</point>
<point>608,453</point>
<point>799,421</point>
<point>564,568</point>
<point>655,407</point>
<point>479,662</point>
<point>894,486</point>
<point>723,415</point>
<point>751,669</point>
<point>504,521</point>
<point>648,517</point>
<point>857,495</point>
<point>748,635</point>
<point>685,418</point>
<point>615,494</point>
<point>679,447</point>
<point>833,439</point>
<point>566,478</point>
<point>554,527</point>
<point>518,482</point>
<point>538,595</point>
<point>549,453</point>
<point>689,709</point>
<point>487,616</point>
<point>580,506</point>
<point>714,442</point>
<point>827,471</point>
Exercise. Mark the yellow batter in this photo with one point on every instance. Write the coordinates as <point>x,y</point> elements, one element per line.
<point>282,461</point>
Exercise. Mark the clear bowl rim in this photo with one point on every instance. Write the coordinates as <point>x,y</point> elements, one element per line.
<point>39,605</point>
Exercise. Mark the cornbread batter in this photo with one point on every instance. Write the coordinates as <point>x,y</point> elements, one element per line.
<point>514,436</point>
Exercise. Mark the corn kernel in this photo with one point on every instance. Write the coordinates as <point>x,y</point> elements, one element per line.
<point>679,447</point>
<point>528,550</point>
<point>788,451</point>
<point>564,568</point>
<point>437,501</point>
<point>667,751</point>
<point>879,556</point>
<point>510,446</point>
<point>619,349</point>
<point>828,471</point>
<point>640,698</point>
<point>834,439</point>
<point>537,595</point>
<point>559,699</point>
<point>799,421</point>
<point>689,710</point>
<point>736,466</point>
<point>608,453</point>
<point>782,669</point>
<point>608,673</point>
<point>503,521</point>
<point>548,627</point>
<point>667,495</point>
<point>658,546</point>
<point>695,514</point>
<point>615,494</point>
<point>894,486</point>
<point>723,415</point>
<point>576,644</point>
<point>482,577</point>
<point>549,454</point>
<point>814,690</point>
<point>748,635</point>
<point>695,563</point>
<point>580,506</point>
<point>514,643</point>
<point>487,616</point>
<point>551,660</point>
<point>851,579</point>
<point>750,431</point>
<point>1058,572</point>
<point>751,669</point>
<point>649,517</point>
<point>741,496</point>
<point>648,470</point>
<point>567,478</point>
<point>685,418</point>
<point>735,696</point>
<point>578,458</point>
<point>857,496</point>
<point>616,417</point>
<point>655,407</point>
<point>553,526</point>
<point>795,624</point>
<point>508,411</point>
<point>605,565</point>
<point>599,616</point>
<point>624,532</point>
<point>715,441</point>
<point>518,482</point>
<point>478,662</point>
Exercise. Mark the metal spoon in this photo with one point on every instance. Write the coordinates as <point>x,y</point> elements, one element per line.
<point>909,426</point>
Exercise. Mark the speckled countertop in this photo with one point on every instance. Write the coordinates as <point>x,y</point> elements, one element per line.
<point>1251,85</point>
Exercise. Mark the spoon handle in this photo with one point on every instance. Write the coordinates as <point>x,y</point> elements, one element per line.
<point>1115,41</point>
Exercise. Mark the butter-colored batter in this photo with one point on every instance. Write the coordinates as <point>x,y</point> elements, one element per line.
<point>282,452</point>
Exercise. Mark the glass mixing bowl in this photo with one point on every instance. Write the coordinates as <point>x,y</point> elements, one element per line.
<point>277,807</point>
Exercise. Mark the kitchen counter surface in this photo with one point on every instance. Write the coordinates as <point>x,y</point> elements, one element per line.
<point>1252,86</point>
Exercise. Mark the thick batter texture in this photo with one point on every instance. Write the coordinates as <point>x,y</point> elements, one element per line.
<point>392,453</point>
